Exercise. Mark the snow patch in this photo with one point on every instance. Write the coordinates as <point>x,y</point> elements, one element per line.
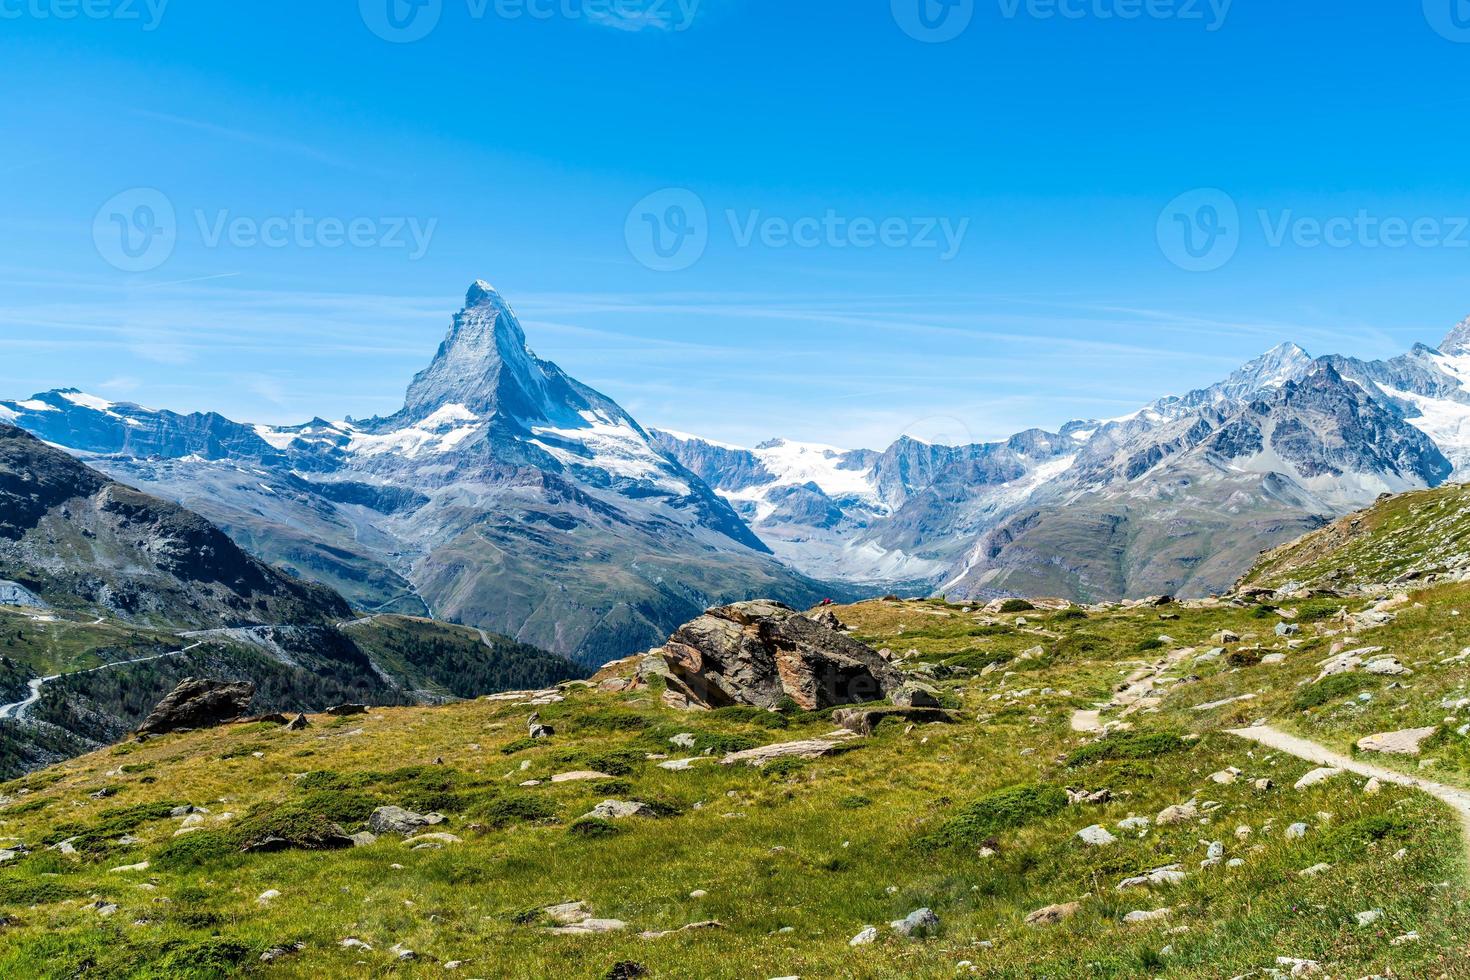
<point>87,401</point>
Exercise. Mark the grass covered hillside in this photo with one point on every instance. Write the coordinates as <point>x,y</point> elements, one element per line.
<point>104,676</point>
<point>1409,536</point>
<point>1197,855</point>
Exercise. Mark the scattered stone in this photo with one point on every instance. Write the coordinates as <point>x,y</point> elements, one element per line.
<point>432,841</point>
<point>1153,916</point>
<point>1053,914</point>
<point>1299,968</point>
<point>1135,823</point>
<point>1372,786</point>
<point>1405,939</point>
<point>812,748</point>
<point>297,723</point>
<point>1317,776</point>
<point>140,866</point>
<point>267,896</point>
<point>1369,917</point>
<point>620,810</point>
<point>1406,742</point>
<point>1387,667</point>
<point>363,838</point>
<point>280,952</point>
<point>1314,870</point>
<point>396,820</point>
<point>1181,813</point>
<point>342,710</point>
<point>1225,776</point>
<point>1288,629</point>
<point>198,702</point>
<point>917,924</point>
<point>1170,874</point>
<point>683,740</point>
<point>691,927</point>
<point>356,944</point>
<point>869,934</point>
<point>1296,831</point>
<point>580,775</point>
<point>681,765</point>
<point>1095,836</point>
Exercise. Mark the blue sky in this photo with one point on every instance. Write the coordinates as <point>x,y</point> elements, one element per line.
<point>819,153</point>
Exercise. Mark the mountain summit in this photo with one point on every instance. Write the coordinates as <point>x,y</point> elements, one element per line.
<point>1457,341</point>
<point>505,494</point>
<point>485,367</point>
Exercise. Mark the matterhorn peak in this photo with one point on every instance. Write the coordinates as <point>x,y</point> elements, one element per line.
<point>483,364</point>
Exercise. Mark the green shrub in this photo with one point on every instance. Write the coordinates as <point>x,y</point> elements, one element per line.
<point>1128,745</point>
<point>1004,809</point>
<point>204,958</point>
<point>28,806</point>
<point>610,720</point>
<point>1338,687</point>
<point>327,779</point>
<point>854,802</point>
<point>203,847</point>
<point>110,823</point>
<point>511,808</point>
<point>1067,614</point>
<point>1016,606</point>
<point>592,827</point>
<point>34,891</point>
<point>520,745</point>
<point>615,762</point>
<point>1153,643</point>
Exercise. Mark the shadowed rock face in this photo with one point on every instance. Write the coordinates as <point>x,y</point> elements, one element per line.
<point>758,653</point>
<point>198,703</point>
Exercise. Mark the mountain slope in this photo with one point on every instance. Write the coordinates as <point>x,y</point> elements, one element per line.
<point>72,536</point>
<point>504,495</point>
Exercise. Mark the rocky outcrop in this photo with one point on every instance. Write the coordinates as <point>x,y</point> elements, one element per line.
<point>198,703</point>
<point>761,653</point>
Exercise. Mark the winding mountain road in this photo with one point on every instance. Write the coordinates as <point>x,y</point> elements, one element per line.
<point>18,709</point>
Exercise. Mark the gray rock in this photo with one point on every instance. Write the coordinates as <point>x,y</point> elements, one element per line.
<point>917,924</point>
<point>620,810</point>
<point>198,703</point>
<point>396,820</point>
<point>1096,836</point>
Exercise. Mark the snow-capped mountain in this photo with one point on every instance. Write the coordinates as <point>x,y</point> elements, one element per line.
<point>505,494</point>
<point>508,495</point>
<point>1178,496</point>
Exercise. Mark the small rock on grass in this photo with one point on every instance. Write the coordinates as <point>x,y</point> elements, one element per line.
<point>917,924</point>
<point>869,934</point>
<point>1053,914</point>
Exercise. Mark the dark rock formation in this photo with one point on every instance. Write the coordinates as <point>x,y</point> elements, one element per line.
<point>198,703</point>
<point>760,653</point>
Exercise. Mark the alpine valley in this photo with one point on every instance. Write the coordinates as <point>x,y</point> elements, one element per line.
<point>506,495</point>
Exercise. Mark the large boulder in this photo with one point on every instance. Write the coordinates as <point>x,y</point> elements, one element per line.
<point>761,652</point>
<point>198,703</point>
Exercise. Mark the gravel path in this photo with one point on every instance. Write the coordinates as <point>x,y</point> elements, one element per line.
<point>1308,751</point>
